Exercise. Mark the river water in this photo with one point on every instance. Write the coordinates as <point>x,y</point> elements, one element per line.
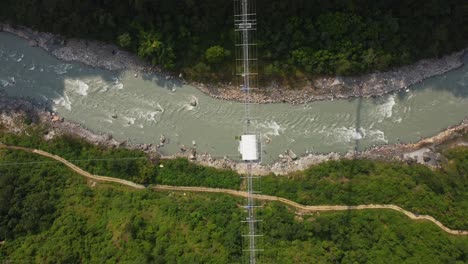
<point>144,107</point>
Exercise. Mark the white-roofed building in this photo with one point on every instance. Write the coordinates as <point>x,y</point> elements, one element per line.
<point>248,147</point>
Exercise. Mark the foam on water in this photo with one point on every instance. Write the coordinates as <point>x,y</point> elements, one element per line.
<point>345,134</point>
<point>63,101</point>
<point>117,84</point>
<point>4,83</point>
<point>148,115</point>
<point>151,116</point>
<point>20,58</point>
<point>10,82</point>
<point>377,136</point>
<point>161,109</point>
<point>185,106</point>
<point>62,68</point>
<point>385,110</point>
<point>270,128</point>
<point>129,120</point>
<point>104,89</point>
<point>77,86</point>
<point>349,134</point>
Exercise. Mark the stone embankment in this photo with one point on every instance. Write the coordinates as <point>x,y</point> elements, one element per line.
<point>108,56</point>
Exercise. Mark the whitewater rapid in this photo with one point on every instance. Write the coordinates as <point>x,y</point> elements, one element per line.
<point>143,108</point>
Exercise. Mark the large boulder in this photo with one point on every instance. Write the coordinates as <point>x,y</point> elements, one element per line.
<point>183,148</point>
<point>162,139</point>
<point>193,154</point>
<point>292,155</point>
<point>193,101</point>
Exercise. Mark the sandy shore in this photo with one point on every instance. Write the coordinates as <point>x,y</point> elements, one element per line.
<point>109,56</point>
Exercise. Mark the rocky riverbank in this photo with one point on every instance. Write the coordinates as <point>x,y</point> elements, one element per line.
<point>343,87</point>
<point>108,56</point>
<point>15,112</point>
<point>425,151</point>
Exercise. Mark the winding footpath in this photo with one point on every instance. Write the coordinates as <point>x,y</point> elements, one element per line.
<point>301,208</point>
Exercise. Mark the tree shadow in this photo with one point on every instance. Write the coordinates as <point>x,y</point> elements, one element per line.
<point>454,81</point>
<point>347,194</point>
<point>346,219</point>
<point>168,82</point>
<point>358,129</point>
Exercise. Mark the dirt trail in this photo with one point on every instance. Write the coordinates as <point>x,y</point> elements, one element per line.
<point>314,208</point>
<point>76,168</point>
<point>301,208</point>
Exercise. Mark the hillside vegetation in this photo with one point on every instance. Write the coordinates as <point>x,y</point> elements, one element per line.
<point>296,38</point>
<point>442,193</point>
<point>50,215</point>
<point>123,163</point>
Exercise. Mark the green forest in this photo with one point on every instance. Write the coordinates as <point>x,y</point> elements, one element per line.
<point>48,214</point>
<point>122,163</point>
<point>440,193</point>
<point>296,39</point>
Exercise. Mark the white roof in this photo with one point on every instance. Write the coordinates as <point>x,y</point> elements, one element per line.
<point>248,147</point>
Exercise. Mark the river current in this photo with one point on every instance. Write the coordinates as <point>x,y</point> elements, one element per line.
<point>144,107</point>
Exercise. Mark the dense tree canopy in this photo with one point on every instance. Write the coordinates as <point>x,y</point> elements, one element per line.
<point>442,193</point>
<point>216,54</point>
<point>123,163</point>
<point>48,214</point>
<point>299,36</point>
